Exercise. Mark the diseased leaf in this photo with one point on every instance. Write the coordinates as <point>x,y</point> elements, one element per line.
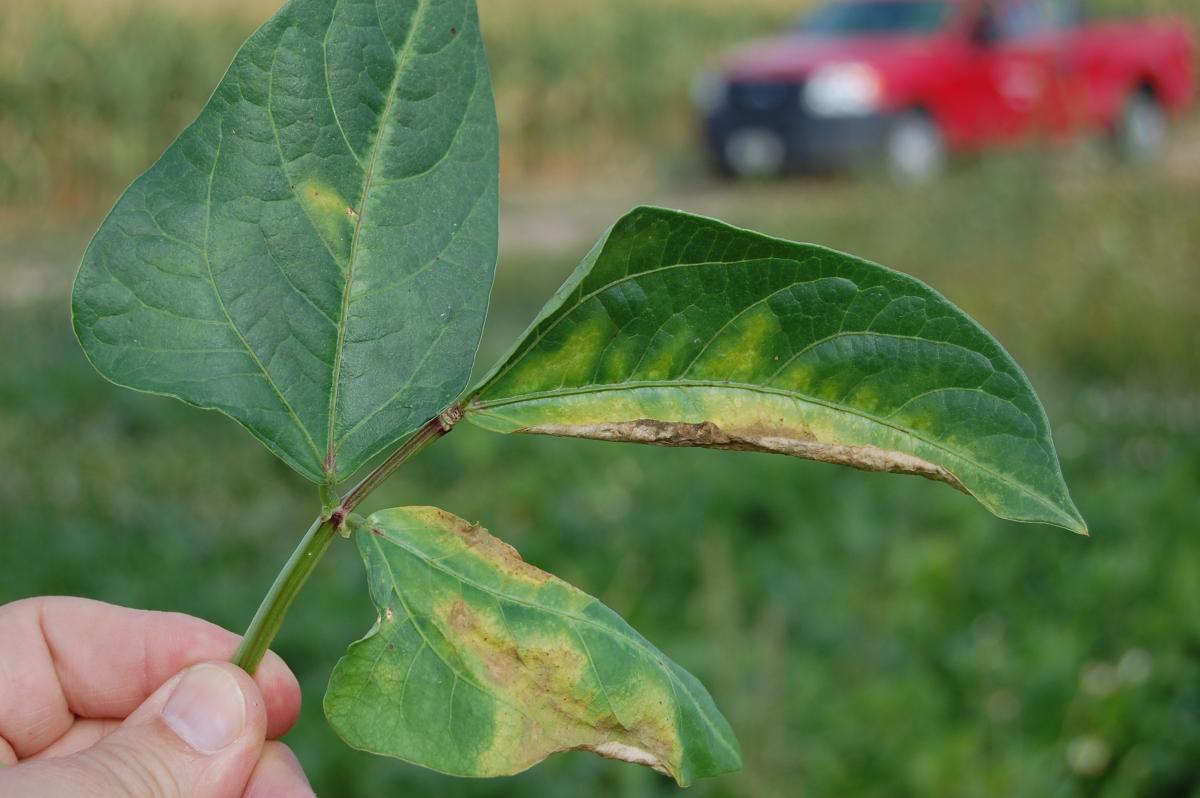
<point>482,665</point>
<point>682,331</point>
<point>313,255</point>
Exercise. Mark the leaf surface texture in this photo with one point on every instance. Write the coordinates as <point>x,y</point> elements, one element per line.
<point>313,256</point>
<point>682,331</point>
<point>483,665</point>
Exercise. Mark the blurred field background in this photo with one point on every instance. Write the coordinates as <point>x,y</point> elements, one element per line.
<point>867,636</point>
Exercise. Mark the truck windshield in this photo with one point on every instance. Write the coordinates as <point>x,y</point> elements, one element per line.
<point>875,18</point>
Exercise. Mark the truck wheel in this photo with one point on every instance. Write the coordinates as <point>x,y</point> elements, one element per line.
<point>915,149</point>
<point>1141,132</point>
<point>755,154</point>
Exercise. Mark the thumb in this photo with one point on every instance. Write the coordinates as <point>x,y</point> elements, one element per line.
<point>199,736</point>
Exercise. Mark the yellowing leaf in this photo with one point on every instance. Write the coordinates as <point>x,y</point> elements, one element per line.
<point>482,665</point>
<point>682,331</point>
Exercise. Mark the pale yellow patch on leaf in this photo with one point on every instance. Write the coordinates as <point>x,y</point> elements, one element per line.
<point>331,215</point>
<point>734,354</point>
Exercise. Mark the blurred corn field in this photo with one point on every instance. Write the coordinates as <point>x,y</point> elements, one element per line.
<point>584,88</point>
<point>83,108</point>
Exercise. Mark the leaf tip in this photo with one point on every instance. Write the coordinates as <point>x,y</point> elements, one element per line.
<point>1076,522</point>
<point>1068,518</point>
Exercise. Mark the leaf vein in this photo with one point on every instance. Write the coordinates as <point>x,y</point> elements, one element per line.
<point>224,309</point>
<point>377,148</point>
<point>337,120</point>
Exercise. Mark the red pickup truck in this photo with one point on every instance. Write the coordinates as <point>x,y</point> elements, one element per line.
<point>910,81</point>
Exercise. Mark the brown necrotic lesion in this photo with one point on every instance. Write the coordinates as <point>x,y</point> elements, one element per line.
<point>547,671</point>
<point>793,443</point>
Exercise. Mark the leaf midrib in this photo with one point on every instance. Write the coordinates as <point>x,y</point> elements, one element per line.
<point>398,284</point>
<point>330,460</point>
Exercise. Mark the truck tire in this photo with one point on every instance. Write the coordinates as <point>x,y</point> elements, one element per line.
<point>1140,135</point>
<point>755,154</point>
<point>915,149</point>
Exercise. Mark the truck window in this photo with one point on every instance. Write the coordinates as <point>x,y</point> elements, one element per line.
<point>1069,13</point>
<point>1010,20</point>
<point>875,18</point>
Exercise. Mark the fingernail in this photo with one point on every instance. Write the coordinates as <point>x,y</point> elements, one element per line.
<point>207,709</point>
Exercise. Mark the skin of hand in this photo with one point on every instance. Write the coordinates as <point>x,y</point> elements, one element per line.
<point>99,701</point>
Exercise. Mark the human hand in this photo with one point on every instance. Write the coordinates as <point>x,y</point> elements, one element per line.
<point>99,701</point>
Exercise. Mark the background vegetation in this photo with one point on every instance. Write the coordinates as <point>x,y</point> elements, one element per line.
<point>868,636</point>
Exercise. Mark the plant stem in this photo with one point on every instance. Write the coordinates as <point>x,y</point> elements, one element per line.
<point>435,429</point>
<point>269,618</point>
<point>283,593</point>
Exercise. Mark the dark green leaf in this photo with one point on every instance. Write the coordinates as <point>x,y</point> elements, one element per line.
<point>482,665</point>
<point>313,256</point>
<point>682,331</point>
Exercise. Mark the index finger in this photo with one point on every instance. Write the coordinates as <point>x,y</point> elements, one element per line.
<point>63,658</point>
